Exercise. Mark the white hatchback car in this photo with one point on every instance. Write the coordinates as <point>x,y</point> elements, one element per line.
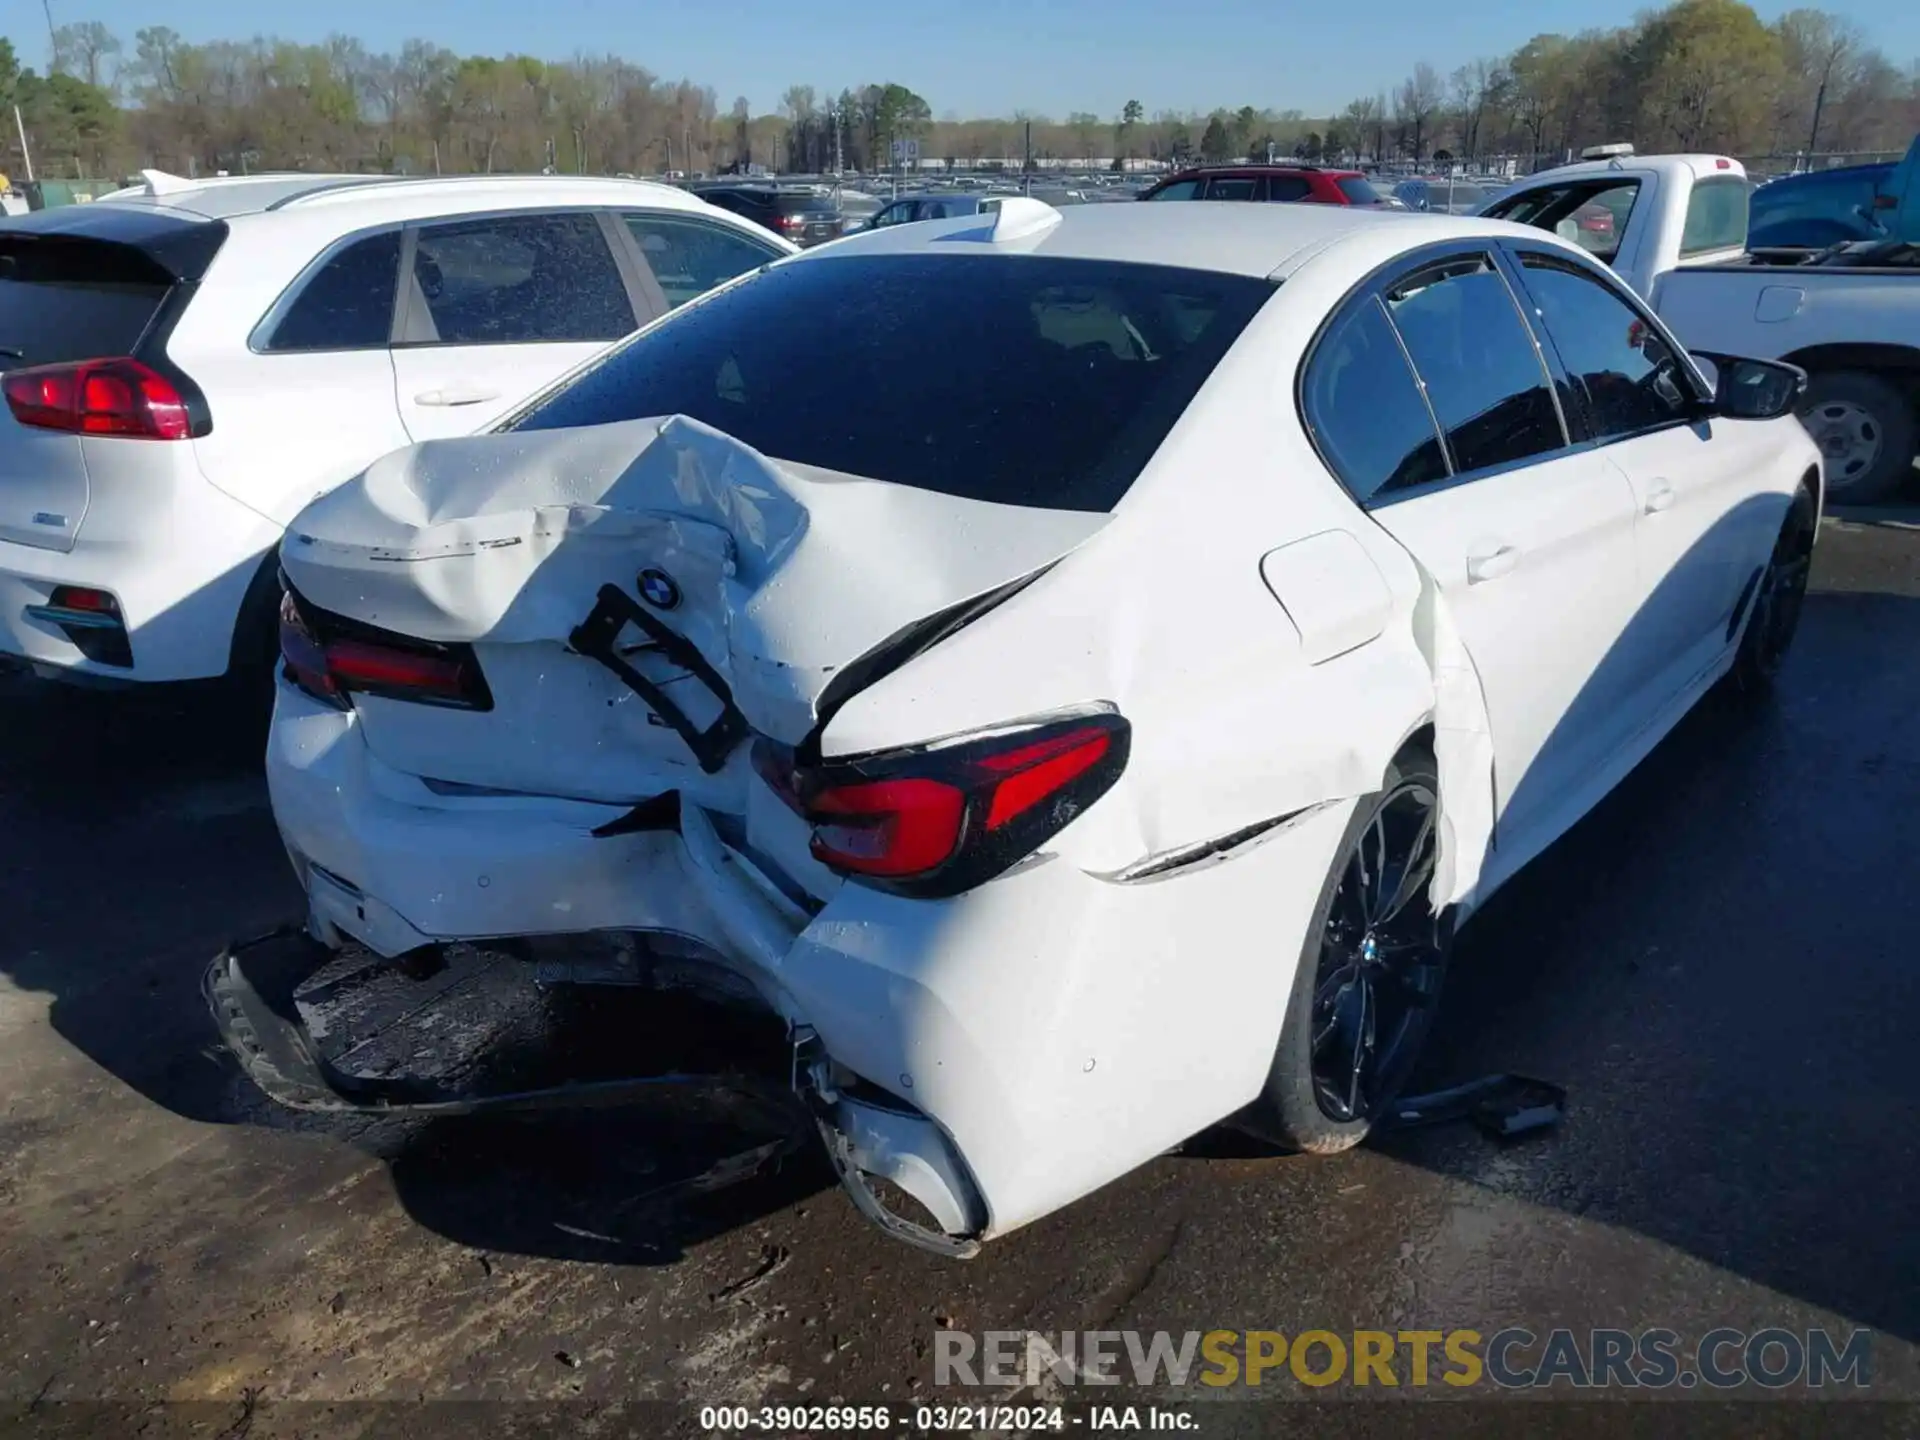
<point>190,363</point>
<point>1094,734</point>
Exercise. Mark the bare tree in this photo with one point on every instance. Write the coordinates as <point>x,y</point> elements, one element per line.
<point>1415,104</point>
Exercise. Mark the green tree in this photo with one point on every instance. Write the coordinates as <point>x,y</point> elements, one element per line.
<point>1216,143</point>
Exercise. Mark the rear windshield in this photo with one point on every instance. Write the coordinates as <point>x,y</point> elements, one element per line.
<point>1018,380</point>
<point>1358,191</point>
<point>64,299</point>
<point>806,204</point>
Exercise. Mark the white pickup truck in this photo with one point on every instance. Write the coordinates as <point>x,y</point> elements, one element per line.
<point>1675,228</point>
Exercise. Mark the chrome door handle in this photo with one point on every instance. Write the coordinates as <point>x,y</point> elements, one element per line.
<point>1490,564</point>
<point>455,395</point>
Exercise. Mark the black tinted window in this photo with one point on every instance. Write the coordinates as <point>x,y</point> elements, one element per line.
<point>690,257</point>
<point>1232,188</point>
<point>1482,373</point>
<point>1287,187</point>
<point>528,279</point>
<point>1628,378</point>
<point>1358,191</point>
<point>1052,385</point>
<point>348,304</point>
<point>1178,190</point>
<point>66,300</point>
<point>1365,409</point>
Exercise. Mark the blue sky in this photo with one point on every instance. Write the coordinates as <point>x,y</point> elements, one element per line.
<point>979,57</point>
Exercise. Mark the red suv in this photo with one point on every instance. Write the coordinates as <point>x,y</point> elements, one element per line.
<point>1308,183</point>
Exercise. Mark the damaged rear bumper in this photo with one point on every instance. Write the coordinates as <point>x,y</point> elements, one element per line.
<point>258,991</point>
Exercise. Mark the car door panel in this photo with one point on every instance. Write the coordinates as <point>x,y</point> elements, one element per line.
<point>1642,407</point>
<point>1433,403</point>
<point>1536,568</point>
<point>498,307</point>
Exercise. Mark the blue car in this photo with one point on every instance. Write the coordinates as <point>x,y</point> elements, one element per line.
<point>1817,209</point>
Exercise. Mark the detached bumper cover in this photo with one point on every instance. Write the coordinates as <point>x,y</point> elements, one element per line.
<point>249,990</point>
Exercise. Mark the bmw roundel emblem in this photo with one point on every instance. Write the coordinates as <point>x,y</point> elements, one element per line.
<point>658,590</point>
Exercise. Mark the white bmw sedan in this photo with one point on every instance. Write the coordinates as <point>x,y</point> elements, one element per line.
<point>1075,670</point>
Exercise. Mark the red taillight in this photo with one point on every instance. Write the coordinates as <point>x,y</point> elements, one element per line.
<point>306,661</point>
<point>1723,164</point>
<point>396,669</point>
<point>98,397</point>
<point>358,665</point>
<point>792,222</point>
<point>933,822</point>
<point>890,827</point>
<point>1037,771</point>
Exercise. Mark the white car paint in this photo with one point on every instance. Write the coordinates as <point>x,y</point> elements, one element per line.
<point>180,532</point>
<point>1272,644</point>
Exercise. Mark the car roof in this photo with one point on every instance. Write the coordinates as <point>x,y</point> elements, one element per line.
<point>225,197</point>
<point>1255,240</point>
<point>1697,167</point>
<point>1262,168</point>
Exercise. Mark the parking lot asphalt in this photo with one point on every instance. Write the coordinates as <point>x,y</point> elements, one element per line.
<point>1719,965</point>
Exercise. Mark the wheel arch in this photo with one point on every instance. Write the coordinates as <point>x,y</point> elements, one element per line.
<point>1901,363</point>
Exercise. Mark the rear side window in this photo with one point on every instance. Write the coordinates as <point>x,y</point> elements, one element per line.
<point>348,304</point>
<point>1287,187</point>
<point>690,257</point>
<point>67,299</point>
<point>1358,191</point>
<point>1365,411</point>
<point>1476,357</point>
<point>1716,216</point>
<point>1051,386</point>
<point>525,279</point>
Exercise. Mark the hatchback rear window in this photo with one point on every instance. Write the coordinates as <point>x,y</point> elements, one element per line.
<point>1358,191</point>
<point>67,299</point>
<point>1051,385</point>
<point>806,204</point>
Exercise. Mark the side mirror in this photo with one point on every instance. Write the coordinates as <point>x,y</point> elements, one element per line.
<point>1747,389</point>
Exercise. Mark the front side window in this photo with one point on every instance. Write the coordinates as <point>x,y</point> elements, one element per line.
<point>348,304</point>
<point>1358,190</point>
<point>1365,411</point>
<point>691,257</point>
<point>1628,378</point>
<point>1482,373</point>
<point>523,279</point>
<point>1716,216</point>
<point>1178,190</point>
<point>1051,386</point>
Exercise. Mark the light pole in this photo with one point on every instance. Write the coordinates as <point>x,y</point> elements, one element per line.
<point>53,37</point>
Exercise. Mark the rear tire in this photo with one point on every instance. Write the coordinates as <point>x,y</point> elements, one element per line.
<point>1865,429</point>
<point>1774,613</point>
<point>1369,974</point>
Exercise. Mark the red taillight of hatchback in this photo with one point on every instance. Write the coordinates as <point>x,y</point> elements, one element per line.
<point>99,397</point>
<point>393,667</point>
<point>932,821</point>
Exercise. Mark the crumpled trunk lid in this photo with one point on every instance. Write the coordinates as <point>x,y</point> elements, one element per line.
<point>778,575</point>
